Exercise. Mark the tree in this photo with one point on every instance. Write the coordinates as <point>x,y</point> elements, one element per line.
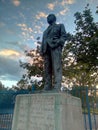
<point>33,67</point>
<point>2,87</point>
<point>85,41</point>
<point>82,51</point>
<point>97,10</point>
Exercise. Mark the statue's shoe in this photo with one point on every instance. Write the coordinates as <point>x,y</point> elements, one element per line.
<point>47,88</point>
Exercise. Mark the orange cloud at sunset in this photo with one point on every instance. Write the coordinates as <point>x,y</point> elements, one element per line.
<point>51,6</point>
<point>41,15</point>
<point>16,2</point>
<point>63,12</point>
<point>9,53</point>
<point>57,3</point>
<point>67,2</point>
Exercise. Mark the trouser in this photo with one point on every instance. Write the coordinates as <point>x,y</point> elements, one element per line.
<point>53,65</point>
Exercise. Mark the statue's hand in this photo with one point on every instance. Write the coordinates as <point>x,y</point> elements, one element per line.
<point>54,43</point>
<point>59,42</point>
<point>50,42</point>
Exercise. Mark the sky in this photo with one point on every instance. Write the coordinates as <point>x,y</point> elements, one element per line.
<point>22,21</point>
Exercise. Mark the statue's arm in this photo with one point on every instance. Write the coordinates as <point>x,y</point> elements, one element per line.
<point>41,48</point>
<point>62,35</point>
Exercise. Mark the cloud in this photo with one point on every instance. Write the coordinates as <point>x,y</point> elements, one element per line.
<point>41,15</point>
<point>26,31</point>
<point>59,4</point>
<point>24,27</point>
<point>9,68</point>
<point>64,2</point>
<point>21,25</point>
<point>8,83</point>
<point>51,6</point>
<point>9,53</point>
<point>63,12</point>
<point>30,29</point>
<point>18,48</point>
<point>60,7</point>
<point>16,2</point>
<point>29,34</point>
<point>38,29</point>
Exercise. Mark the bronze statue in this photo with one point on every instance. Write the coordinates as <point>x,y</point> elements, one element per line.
<point>51,49</point>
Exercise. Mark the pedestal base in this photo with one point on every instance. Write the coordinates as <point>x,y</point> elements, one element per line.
<point>47,111</point>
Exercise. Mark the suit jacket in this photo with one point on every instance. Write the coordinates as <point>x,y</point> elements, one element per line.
<point>53,36</point>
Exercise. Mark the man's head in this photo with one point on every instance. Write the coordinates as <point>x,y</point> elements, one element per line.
<point>51,18</point>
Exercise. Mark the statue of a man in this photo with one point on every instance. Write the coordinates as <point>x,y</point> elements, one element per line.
<point>51,49</point>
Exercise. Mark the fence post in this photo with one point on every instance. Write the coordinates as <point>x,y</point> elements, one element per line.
<point>94,114</point>
<point>88,108</point>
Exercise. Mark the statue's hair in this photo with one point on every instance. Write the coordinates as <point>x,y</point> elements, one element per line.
<point>52,16</point>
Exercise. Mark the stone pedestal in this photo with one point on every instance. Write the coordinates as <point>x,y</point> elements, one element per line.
<point>47,111</point>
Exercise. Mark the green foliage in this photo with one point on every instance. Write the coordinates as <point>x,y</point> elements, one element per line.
<point>33,67</point>
<point>80,54</point>
<point>35,64</point>
<point>97,10</point>
<point>2,87</point>
<point>85,40</point>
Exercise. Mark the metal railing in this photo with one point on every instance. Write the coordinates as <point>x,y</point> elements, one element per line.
<point>6,121</point>
<point>7,103</point>
<point>88,96</point>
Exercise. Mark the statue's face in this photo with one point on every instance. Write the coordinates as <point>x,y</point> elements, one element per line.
<point>51,19</point>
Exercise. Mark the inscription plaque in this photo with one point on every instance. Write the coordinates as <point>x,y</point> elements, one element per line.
<point>36,113</point>
<point>42,113</point>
